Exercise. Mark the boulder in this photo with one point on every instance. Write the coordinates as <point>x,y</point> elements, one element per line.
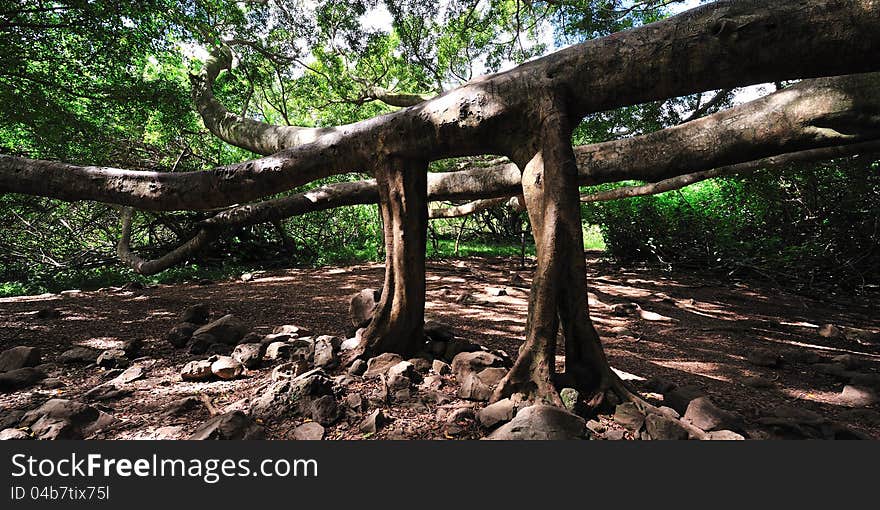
<point>196,314</point>
<point>65,419</point>
<point>422,365</point>
<point>19,357</point>
<point>354,401</point>
<point>542,422</point>
<point>10,417</point>
<point>440,367</point>
<point>310,431</point>
<point>458,346</point>
<point>130,374</point>
<point>228,330</point>
<point>381,364</point>
<point>13,435</point>
<point>52,383</point>
<point>848,361</point>
<point>78,355</point>
<point>105,392</point>
<point>664,428</point>
<point>659,385</point>
<point>226,367</point>
<point>858,396</point>
<point>186,406</point>
<point>358,367</point>
<point>113,358</point>
<point>629,416</point>
<point>362,305</point>
<point>196,371</point>
<point>704,414</point>
<point>350,344</point>
<point>249,355</point>
<point>199,344</point>
<point>373,422</point>
<point>478,373</point>
<point>499,412</point>
<point>325,349</point>
<point>291,396</point>
<point>279,351</point>
<point>180,334</point>
<point>679,398</point>
<point>233,425</point>
<point>20,378</point>
<point>325,409</point>
<point>292,330</point>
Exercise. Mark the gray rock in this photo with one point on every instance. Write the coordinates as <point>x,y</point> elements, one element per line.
<point>292,396</point>
<point>293,330</point>
<point>13,435</point>
<point>219,349</point>
<point>65,419</point>
<point>362,305</point>
<point>226,367</point>
<point>196,314</point>
<point>78,355</point>
<point>421,365</point>
<point>440,367</point>
<point>310,431</point>
<point>19,357</point>
<point>199,344</point>
<point>858,396</point>
<point>113,358</point>
<point>279,351</point>
<point>234,425</point>
<point>249,355</point>
<point>105,392</point>
<point>186,406</point>
<point>704,414</point>
<point>458,346</point>
<point>542,422</point>
<point>325,350</point>
<point>130,374</point>
<point>496,291</point>
<point>228,330</point>
<point>659,385</point>
<point>9,418</point>
<point>355,402</point>
<point>499,412</point>
<point>848,361</point>
<point>381,364</point>
<point>724,435</point>
<point>325,409</point>
<point>358,367</point>
<point>350,344</point>
<point>679,398</point>
<point>373,422</point>
<point>625,309</point>
<point>478,373</point>
<point>251,338</point>
<point>614,435</point>
<point>180,334</point>
<point>831,332</point>
<point>629,416</point>
<point>20,379</point>
<point>664,428</point>
<point>51,383</point>
<point>196,371</point>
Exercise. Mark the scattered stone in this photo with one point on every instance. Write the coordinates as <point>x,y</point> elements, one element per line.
<point>421,365</point>
<point>354,401</point>
<point>13,435</point>
<point>246,277</point>
<point>292,396</point>
<point>542,422</point>
<point>199,344</point>
<point>831,332</point>
<point>184,407</point>
<point>180,334</point>
<point>20,378</point>
<point>501,411</point>
<point>848,361</point>
<point>478,373</point>
<point>679,398</point>
<point>292,330</point>
<point>106,391</point>
<point>858,396</point>
<point>112,358</point>
<point>325,410</point>
<point>495,291</point>
<point>350,344</point>
<point>595,426</point>
<point>196,371</point>
<point>440,367</point>
<point>226,367</point>
<point>570,398</point>
<point>629,416</point>
<point>362,305</point>
<point>234,425</point>
<point>220,349</point>
<point>614,435</point>
<point>439,332</point>
<point>65,419</point>
<point>251,338</point>
<point>78,355</point>
<point>310,431</point>
<point>381,364</point>
<point>196,314</point>
<point>724,435</point>
<point>358,367</point>
<point>249,355</point>
<point>290,370</point>
<point>47,313</point>
<point>228,330</point>
<point>130,374</point>
<point>625,309</point>
<point>664,428</point>
<point>10,417</point>
<point>325,349</point>
<point>19,357</point>
<point>373,422</point>
<point>52,383</point>
<point>764,358</point>
<point>704,414</point>
<point>279,350</point>
<point>757,382</point>
<point>432,382</point>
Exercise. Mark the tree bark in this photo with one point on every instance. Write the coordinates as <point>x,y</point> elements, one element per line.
<point>398,321</point>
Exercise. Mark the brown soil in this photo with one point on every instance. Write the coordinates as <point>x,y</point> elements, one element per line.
<point>698,330</point>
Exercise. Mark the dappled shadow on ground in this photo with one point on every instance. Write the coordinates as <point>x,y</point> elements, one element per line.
<point>692,330</point>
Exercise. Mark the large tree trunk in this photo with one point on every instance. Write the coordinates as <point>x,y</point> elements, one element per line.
<point>398,321</point>
<point>559,293</point>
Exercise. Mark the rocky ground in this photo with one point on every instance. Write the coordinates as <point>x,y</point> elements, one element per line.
<point>258,357</point>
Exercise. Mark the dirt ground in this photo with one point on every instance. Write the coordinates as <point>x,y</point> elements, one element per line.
<point>694,330</point>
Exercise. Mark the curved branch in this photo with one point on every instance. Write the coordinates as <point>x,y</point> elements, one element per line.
<point>466,209</point>
<point>172,258</point>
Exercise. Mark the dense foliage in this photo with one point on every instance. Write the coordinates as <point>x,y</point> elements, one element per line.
<point>107,83</point>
